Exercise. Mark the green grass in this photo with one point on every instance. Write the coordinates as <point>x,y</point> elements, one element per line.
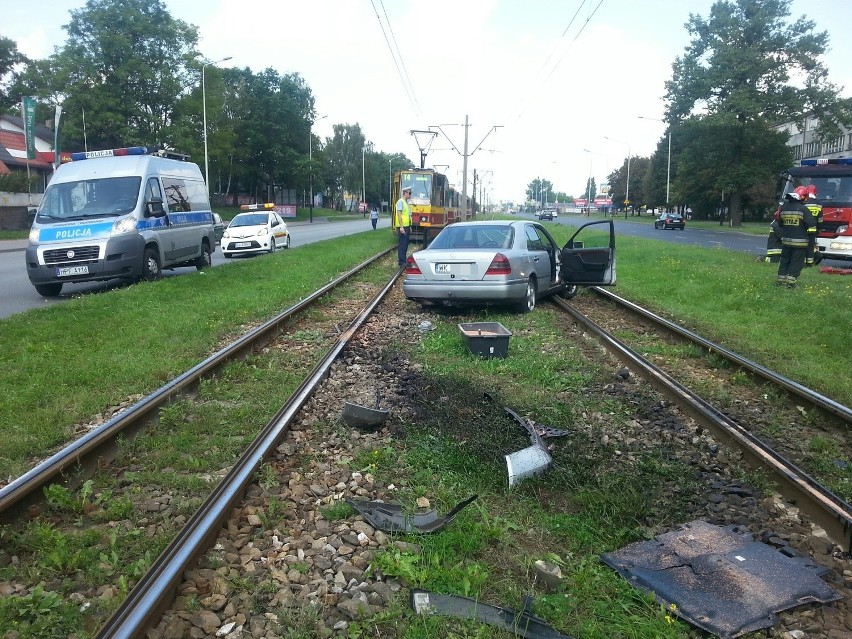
<point>55,373</point>
<point>64,364</point>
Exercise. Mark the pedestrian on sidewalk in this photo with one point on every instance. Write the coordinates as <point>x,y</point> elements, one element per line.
<point>374,217</point>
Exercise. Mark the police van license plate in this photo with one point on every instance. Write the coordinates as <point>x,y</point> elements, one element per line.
<point>72,270</point>
<point>242,244</point>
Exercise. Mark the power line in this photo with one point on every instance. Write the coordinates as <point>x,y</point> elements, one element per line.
<point>522,105</point>
<point>396,64</point>
<point>399,54</point>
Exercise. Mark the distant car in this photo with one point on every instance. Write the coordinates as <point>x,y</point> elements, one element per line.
<point>670,221</point>
<point>548,214</point>
<point>255,232</point>
<point>514,262</point>
<point>218,227</point>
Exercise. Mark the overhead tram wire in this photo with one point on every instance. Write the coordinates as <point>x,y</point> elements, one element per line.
<point>401,59</point>
<point>396,64</point>
<point>585,24</point>
<point>522,105</point>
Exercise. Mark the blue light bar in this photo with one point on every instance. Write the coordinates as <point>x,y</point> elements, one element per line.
<point>824,161</point>
<point>108,153</point>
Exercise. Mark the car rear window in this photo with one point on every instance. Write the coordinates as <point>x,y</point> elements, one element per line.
<point>461,237</point>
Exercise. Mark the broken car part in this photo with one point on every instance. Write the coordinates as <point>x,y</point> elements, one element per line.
<point>720,579</point>
<point>522,624</point>
<point>388,517</point>
<point>357,416</point>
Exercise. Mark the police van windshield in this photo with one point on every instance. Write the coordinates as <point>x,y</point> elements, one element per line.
<point>89,198</point>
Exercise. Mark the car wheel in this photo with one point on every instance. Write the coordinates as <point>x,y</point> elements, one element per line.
<point>570,291</point>
<point>151,265</point>
<point>528,304</point>
<point>205,260</point>
<point>817,260</point>
<point>272,245</point>
<point>287,243</point>
<point>48,290</point>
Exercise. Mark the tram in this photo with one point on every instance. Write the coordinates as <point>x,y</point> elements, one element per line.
<point>434,203</point>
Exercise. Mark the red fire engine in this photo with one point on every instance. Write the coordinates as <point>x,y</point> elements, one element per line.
<point>833,181</point>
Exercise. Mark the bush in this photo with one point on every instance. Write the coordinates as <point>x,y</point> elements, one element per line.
<point>16,182</point>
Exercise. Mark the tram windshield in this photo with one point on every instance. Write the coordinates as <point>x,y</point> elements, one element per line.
<point>421,186</point>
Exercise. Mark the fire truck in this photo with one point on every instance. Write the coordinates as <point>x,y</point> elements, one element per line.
<point>833,181</point>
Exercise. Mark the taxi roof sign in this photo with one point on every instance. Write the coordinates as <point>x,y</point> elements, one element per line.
<point>257,207</point>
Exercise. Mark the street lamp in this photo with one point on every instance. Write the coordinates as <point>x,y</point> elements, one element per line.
<point>555,187</point>
<point>311,167</point>
<point>204,115</point>
<point>669,167</point>
<point>589,187</point>
<point>627,188</point>
<point>363,179</point>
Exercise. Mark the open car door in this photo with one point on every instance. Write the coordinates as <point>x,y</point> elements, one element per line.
<point>588,258</point>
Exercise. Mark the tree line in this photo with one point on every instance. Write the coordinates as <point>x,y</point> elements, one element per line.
<point>747,69</point>
<point>130,74</point>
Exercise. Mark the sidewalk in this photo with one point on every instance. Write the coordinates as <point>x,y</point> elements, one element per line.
<point>7,246</point>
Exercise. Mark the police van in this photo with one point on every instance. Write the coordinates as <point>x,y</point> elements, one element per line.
<point>119,213</point>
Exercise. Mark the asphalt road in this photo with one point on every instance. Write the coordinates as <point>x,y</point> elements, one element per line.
<point>18,295</point>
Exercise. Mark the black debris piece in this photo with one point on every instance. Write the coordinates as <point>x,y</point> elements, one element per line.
<point>522,624</point>
<point>388,517</point>
<point>720,579</point>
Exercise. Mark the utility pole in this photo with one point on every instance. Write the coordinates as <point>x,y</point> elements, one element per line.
<point>464,173</point>
<point>474,188</point>
<point>465,154</point>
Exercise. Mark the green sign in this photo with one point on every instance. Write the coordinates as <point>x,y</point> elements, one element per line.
<point>28,106</point>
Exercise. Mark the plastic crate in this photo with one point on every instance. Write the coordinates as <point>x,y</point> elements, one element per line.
<point>486,339</point>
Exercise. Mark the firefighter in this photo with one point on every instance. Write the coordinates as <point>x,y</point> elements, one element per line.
<point>797,228</point>
<point>809,193</point>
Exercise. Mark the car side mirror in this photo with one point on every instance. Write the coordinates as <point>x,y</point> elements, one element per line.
<point>155,207</point>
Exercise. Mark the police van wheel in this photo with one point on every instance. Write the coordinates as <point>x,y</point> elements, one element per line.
<point>151,265</point>
<point>48,290</point>
<point>204,260</point>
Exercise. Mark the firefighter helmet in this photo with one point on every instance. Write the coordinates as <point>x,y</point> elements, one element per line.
<point>811,190</point>
<point>792,195</point>
<point>801,191</point>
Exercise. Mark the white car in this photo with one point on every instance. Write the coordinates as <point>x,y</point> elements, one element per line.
<point>255,232</point>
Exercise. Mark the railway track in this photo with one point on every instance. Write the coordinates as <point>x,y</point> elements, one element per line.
<point>306,555</point>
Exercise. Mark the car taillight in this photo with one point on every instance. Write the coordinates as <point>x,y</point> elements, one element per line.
<point>411,267</point>
<point>499,266</point>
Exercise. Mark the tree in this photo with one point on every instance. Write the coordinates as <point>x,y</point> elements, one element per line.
<point>618,182</point>
<point>540,190</point>
<point>10,59</point>
<point>738,67</point>
<point>590,190</point>
<point>745,156</point>
<point>125,65</point>
<point>343,155</point>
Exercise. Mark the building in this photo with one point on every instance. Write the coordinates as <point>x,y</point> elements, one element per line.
<point>14,206</point>
<point>805,144</point>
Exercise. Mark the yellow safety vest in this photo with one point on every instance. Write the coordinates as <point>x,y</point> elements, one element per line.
<point>404,216</point>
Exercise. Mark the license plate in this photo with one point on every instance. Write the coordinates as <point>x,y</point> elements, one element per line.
<point>242,244</point>
<point>442,268</point>
<point>72,270</point>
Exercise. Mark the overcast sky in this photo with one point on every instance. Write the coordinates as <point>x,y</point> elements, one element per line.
<point>556,76</point>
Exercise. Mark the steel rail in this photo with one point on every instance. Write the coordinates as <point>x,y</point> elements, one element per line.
<point>79,460</point>
<point>146,602</point>
<point>823,506</point>
<point>815,398</point>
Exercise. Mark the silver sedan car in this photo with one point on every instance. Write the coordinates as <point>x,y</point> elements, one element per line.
<point>512,262</point>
